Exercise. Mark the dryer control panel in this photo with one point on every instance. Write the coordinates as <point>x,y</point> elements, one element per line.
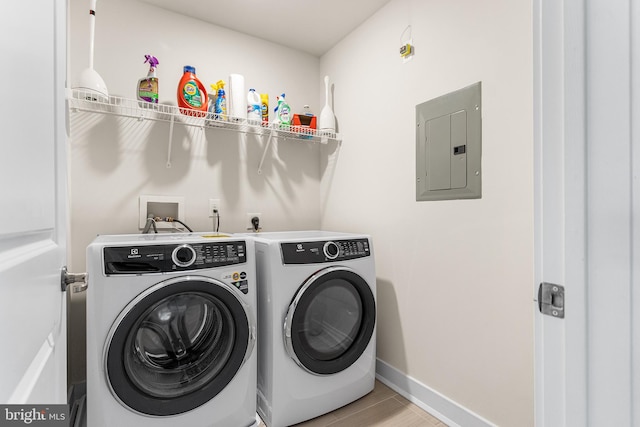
<point>324,251</point>
<point>146,259</point>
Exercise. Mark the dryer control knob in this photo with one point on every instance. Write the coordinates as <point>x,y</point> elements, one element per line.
<point>183,255</point>
<point>331,250</point>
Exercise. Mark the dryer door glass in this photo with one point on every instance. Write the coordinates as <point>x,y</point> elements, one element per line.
<point>177,346</point>
<point>331,321</point>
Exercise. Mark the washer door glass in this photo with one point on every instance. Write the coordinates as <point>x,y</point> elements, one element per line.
<point>177,346</point>
<point>330,321</point>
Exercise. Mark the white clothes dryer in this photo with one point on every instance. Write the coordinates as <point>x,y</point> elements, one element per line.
<point>316,323</point>
<point>171,331</point>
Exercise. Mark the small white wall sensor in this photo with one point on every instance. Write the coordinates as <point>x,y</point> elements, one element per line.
<point>406,45</point>
<point>405,50</point>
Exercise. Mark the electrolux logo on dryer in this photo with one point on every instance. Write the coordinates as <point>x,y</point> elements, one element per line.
<point>43,416</point>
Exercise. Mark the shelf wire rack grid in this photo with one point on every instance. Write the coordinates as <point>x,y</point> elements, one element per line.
<point>89,101</point>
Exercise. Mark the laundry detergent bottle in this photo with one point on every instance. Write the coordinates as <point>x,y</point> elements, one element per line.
<point>192,96</point>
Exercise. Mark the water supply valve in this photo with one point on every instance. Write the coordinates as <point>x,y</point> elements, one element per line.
<point>255,222</point>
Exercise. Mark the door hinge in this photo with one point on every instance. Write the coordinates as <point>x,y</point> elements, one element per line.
<point>551,299</point>
<point>67,278</point>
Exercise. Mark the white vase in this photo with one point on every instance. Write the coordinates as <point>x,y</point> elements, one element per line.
<point>327,119</point>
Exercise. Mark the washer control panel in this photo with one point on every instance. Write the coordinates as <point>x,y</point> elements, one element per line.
<point>167,258</point>
<point>324,251</point>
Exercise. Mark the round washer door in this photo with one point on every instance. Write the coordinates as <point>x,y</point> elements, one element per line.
<point>177,345</point>
<point>330,321</point>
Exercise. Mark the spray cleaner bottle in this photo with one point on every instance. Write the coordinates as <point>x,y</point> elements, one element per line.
<point>282,112</point>
<point>220,108</point>
<point>148,86</point>
<point>213,96</point>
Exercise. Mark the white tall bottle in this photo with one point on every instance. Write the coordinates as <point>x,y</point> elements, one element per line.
<point>327,121</point>
<point>237,98</point>
<point>254,108</point>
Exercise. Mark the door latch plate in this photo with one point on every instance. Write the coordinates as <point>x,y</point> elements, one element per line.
<point>551,299</point>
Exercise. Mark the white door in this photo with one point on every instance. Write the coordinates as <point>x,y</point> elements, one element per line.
<point>587,92</point>
<point>32,211</point>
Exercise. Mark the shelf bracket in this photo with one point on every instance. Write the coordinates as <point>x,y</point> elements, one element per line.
<point>170,142</point>
<point>264,154</point>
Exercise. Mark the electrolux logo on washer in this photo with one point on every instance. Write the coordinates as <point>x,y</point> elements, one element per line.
<point>156,254</point>
<point>238,280</point>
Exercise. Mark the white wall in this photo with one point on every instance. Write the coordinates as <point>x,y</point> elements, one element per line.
<point>113,160</point>
<point>454,277</point>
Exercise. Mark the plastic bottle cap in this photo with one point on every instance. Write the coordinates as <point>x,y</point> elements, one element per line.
<point>189,69</point>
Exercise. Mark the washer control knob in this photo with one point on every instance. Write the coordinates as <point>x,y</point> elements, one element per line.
<point>183,255</point>
<point>331,250</point>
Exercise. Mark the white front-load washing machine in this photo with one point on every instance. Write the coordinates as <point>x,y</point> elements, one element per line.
<point>316,323</point>
<point>171,331</point>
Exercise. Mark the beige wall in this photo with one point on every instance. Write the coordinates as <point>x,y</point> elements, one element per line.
<point>454,277</point>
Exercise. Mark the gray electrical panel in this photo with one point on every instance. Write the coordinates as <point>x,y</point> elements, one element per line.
<point>449,146</point>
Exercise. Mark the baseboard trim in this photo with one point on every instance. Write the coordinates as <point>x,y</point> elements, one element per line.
<point>438,405</point>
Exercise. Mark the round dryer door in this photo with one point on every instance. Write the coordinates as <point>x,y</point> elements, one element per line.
<point>330,321</point>
<point>177,345</point>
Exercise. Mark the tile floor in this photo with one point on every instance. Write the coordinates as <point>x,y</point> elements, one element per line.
<point>383,407</point>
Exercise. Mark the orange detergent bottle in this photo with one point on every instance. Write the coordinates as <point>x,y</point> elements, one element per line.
<point>192,96</point>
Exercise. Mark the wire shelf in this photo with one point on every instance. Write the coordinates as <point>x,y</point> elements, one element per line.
<point>88,101</point>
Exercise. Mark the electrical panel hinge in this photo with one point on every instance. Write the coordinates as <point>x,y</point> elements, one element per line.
<point>551,299</point>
